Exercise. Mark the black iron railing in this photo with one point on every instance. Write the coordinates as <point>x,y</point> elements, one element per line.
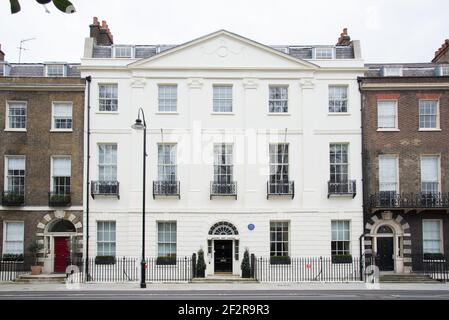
<point>166,189</point>
<point>435,266</point>
<point>348,188</point>
<point>13,199</point>
<point>13,265</point>
<point>219,189</point>
<point>325,269</point>
<point>104,188</point>
<point>390,199</point>
<point>286,188</point>
<point>127,269</point>
<point>56,199</point>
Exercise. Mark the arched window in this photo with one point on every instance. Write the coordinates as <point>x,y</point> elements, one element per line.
<point>223,229</point>
<point>62,226</point>
<point>385,230</point>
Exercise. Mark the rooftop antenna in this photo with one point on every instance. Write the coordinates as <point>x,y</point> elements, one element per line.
<point>21,47</point>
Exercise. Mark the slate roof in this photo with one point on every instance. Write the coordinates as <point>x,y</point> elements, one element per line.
<point>36,69</point>
<point>408,69</point>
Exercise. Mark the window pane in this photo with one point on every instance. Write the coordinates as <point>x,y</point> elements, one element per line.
<point>386,114</point>
<point>338,99</point>
<point>17,115</point>
<point>108,97</point>
<point>168,98</point>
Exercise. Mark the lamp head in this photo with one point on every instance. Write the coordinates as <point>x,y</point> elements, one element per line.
<point>138,125</point>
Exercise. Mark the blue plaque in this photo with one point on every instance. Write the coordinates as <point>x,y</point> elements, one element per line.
<point>251,227</point>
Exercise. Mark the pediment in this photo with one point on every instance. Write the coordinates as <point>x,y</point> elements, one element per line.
<point>223,50</point>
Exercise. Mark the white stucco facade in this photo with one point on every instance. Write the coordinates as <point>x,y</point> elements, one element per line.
<point>251,68</point>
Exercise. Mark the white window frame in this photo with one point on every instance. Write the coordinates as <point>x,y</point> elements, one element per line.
<point>396,157</point>
<point>341,164</point>
<point>438,168</point>
<point>282,241</point>
<point>108,241</point>
<point>158,242</point>
<point>52,171</point>
<point>281,86</point>
<point>218,99</point>
<point>339,240</point>
<point>440,221</point>
<point>323,49</point>
<point>159,99</point>
<point>161,166</point>
<point>5,222</point>
<point>131,51</point>
<point>64,69</point>
<point>100,98</point>
<point>7,125</point>
<point>108,164</point>
<point>53,119</point>
<point>5,178</point>
<point>437,116</point>
<point>396,120</point>
<point>444,71</point>
<point>330,86</point>
<point>219,153</point>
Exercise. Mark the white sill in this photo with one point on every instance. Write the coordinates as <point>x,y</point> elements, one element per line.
<point>107,112</point>
<point>223,113</point>
<point>16,130</point>
<point>430,130</point>
<point>279,114</point>
<point>61,130</point>
<point>388,130</point>
<point>338,114</point>
<point>166,113</point>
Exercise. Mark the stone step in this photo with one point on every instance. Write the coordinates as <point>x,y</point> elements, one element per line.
<point>230,279</point>
<point>406,278</point>
<point>41,278</point>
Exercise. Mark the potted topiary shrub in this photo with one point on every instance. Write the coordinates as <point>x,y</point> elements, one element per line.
<point>246,266</point>
<point>34,249</point>
<point>201,265</point>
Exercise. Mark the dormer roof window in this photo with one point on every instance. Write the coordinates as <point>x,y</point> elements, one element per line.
<point>392,71</point>
<point>123,52</point>
<point>55,70</point>
<point>326,53</point>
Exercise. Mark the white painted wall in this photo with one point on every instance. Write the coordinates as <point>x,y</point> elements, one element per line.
<point>250,69</point>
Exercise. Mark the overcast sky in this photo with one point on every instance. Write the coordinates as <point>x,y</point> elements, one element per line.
<point>390,30</point>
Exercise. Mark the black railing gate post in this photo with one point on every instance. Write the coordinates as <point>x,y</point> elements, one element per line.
<point>194,265</point>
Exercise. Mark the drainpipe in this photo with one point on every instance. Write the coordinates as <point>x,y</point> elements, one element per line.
<point>88,80</point>
<point>364,174</point>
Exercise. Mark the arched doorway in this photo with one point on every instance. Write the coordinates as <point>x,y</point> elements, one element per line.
<point>60,241</point>
<point>385,248</point>
<point>223,247</point>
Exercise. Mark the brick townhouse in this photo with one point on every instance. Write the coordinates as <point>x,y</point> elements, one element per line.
<point>405,120</point>
<point>41,161</point>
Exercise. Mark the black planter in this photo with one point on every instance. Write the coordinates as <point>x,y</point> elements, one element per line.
<point>246,273</point>
<point>201,273</point>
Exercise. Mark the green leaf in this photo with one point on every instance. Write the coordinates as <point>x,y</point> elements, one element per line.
<point>15,6</point>
<point>64,5</point>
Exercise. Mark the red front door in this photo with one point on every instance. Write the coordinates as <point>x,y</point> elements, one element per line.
<point>61,253</point>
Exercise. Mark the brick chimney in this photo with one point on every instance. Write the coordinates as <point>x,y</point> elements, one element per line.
<point>2,54</point>
<point>345,39</point>
<point>101,33</point>
<point>442,54</point>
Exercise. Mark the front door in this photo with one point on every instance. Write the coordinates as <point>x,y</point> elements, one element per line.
<point>223,255</point>
<point>62,253</point>
<point>385,254</point>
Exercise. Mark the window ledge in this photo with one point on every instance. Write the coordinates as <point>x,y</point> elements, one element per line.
<point>279,114</point>
<point>339,114</point>
<point>15,130</point>
<point>166,113</point>
<point>223,113</point>
<point>388,130</point>
<point>61,130</point>
<point>107,112</point>
<point>430,130</point>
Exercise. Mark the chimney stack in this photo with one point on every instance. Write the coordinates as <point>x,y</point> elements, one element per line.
<point>2,54</point>
<point>442,54</point>
<point>101,33</point>
<point>345,39</point>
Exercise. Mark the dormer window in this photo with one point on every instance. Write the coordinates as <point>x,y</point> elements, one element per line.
<point>55,70</point>
<point>324,53</point>
<point>392,71</point>
<point>122,51</point>
<point>444,70</point>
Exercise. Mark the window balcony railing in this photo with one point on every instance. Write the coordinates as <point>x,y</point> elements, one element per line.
<point>104,188</point>
<point>423,200</point>
<point>13,199</point>
<point>221,189</point>
<point>347,188</point>
<point>166,189</point>
<point>286,189</point>
<point>57,199</point>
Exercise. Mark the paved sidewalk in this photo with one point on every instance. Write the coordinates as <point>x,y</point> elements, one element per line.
<point>220,286</point>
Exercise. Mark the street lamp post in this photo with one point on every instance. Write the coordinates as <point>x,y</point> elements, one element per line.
<point>139,125</point>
